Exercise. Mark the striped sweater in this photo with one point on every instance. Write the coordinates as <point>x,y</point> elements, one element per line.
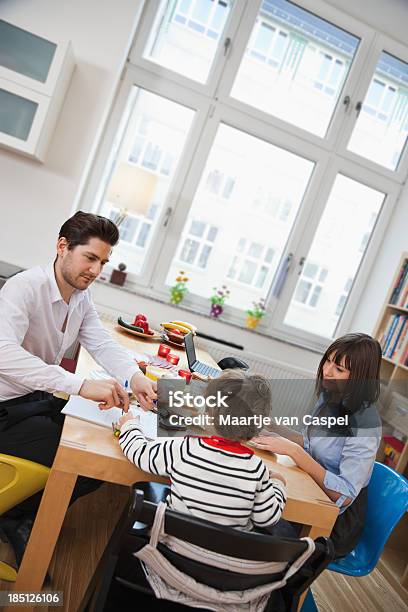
<point>212,478</point>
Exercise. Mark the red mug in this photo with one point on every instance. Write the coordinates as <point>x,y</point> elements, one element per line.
<point>163,350</point>
<point>173,359</point>
<point>185,374</point>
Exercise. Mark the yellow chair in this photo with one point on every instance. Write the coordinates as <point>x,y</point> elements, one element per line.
<point>19,479</point>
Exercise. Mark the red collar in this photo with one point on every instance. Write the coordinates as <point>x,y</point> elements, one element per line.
<point>231,446</point>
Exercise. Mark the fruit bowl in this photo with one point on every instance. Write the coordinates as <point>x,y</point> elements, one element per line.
<point>175,338</point>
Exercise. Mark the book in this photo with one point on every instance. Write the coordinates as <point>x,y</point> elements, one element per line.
<point>399,283</point>
<point>393,321</point>
<point>396,336</point>
<point>87,410</point>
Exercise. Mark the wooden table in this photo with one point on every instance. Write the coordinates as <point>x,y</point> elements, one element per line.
<point>89,450</point>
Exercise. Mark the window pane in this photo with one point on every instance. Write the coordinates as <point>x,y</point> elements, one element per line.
<point>310,270</point>
<point>212,234</point>
<point>186,35</point>
<point>381,130</point>
<point>189,252</point>
<point>302,291</point>
<point>249,239</point>
<point>197,228</point>
<point>289,78</point>
<point>315,296</point>
<point>255,250</point>
<point>204,255</point>
<point>247,272</point>
<point>336,249</point>
<point>136,182</point>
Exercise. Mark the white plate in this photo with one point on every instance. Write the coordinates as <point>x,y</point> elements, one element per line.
<point>156,335</point>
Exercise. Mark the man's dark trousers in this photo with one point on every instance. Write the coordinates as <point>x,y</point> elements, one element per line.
<point>30,428</point>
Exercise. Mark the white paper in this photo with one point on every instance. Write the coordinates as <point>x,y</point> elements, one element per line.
<point>87,410</point>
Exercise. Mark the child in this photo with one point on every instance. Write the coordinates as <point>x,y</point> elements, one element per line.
<point>216,478</point>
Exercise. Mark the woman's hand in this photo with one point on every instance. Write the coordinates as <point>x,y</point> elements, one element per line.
<point>274,444</point>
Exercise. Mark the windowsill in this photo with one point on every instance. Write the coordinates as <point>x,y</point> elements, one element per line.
<point>154,296</point>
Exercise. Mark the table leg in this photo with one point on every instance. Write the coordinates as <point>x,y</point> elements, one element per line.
<point>46,529</point>
<point>313,532</point>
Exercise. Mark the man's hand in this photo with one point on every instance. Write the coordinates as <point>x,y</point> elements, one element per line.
<point>144,389</point>
<point>108,393</point>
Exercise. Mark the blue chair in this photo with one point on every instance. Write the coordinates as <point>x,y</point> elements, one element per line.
<point>309,604</point>
<point>387,502</point>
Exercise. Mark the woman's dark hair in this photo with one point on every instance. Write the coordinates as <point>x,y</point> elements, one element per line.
<point>362,356</point>
<point>83,226</point>
<point>248,395</point>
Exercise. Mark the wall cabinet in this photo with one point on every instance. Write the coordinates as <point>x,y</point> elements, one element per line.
<point>34,77</point>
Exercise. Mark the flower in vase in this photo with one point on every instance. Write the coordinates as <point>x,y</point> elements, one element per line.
<point>218,299</point>
<point>255,314</point>
<point>179,290</point>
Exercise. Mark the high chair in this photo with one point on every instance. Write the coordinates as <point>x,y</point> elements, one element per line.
<point>19,479</point>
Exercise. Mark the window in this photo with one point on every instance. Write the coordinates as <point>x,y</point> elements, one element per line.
<point>239,164</point>
<point>198,244</point>
<point>259,166</point>
<point>302,58</point>
<point>138,174</point>
<point>186,35</point>
<point>381,130</point>
<point>207,17</point>
<point>343,298</point>
<point>252,263</point>
<point>351,207</point>
<point>310,285</point>
<point>268,43</point>
<point>330,74</point>
<point>220,184</point>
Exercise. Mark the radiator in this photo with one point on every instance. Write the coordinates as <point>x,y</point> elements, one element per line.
<point>292,388</point>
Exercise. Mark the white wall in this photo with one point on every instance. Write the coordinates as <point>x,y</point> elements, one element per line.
<point>389,17</point>
<point>39,197</point>
<point>394,244</point>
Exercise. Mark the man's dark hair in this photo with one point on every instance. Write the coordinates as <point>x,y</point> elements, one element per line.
<point>83,226</point>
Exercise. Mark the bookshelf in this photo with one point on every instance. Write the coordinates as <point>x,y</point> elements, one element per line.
<point>391,331</point>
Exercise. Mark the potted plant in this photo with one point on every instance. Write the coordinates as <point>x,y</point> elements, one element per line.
<point>179,290</point>
<point>217,301</point>
<point>255,314</point>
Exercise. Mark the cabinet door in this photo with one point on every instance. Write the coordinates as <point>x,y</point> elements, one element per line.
<point>28,59</point>
<point>22,116</point>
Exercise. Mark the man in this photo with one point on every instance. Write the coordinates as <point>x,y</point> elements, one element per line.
<point>43,312</point>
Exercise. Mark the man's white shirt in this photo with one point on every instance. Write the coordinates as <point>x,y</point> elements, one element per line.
<point>32,345</point>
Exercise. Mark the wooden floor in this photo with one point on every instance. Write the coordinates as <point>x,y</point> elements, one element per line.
<point>337,593</point>
<point>92,518</point>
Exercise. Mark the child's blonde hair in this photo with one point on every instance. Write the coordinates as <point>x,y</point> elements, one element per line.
<point>246,395</point>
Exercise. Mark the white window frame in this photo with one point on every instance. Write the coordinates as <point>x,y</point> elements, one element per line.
<point>213,105</point>
<point>332,15</point>
<point>380,43</point>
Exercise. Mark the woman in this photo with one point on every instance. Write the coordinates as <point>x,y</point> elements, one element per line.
<point>340,459</point>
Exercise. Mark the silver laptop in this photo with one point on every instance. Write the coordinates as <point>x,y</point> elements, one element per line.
<point>193,364</point>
